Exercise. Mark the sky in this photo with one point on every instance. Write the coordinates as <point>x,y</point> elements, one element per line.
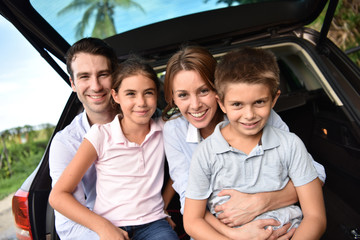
<point>31,92</point>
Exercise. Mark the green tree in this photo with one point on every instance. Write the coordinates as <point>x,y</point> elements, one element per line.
<point>101,11</point>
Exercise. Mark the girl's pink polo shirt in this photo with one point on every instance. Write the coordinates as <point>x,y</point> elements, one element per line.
<point>129,176</point>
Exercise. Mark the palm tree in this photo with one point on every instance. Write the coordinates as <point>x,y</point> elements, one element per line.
<point>102,10</point>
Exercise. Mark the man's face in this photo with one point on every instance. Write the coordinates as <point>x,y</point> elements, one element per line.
<point>92,83</point>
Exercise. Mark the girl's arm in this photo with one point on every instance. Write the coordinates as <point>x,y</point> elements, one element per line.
<point>62,200</point>
<point>312,204</point>
<point>167,195</point>
<point>194,221</point>
<point>242,207</point>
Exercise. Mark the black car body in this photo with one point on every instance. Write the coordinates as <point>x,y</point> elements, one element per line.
<point>320,86</point>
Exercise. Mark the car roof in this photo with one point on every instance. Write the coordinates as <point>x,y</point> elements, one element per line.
<point>213,25</point>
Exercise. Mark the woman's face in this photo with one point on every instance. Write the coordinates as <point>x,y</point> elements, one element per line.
<point>195,100</point>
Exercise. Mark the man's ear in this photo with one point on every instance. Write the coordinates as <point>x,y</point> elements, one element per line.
<point>220,103</point>
<point>275,98</point>
<point>72,84</point>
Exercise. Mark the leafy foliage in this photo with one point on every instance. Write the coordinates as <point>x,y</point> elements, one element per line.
<point>21,159</point>
<point>101,12</point>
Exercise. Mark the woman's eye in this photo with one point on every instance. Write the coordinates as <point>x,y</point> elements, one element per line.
<point>204,91</point>
<point>181,95</point>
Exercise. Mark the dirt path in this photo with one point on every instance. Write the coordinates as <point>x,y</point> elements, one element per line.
<point>7,227</point>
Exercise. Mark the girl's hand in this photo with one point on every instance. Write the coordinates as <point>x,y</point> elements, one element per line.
<point>170,221</point>
<point>241,208</point>
<point>111,232</point>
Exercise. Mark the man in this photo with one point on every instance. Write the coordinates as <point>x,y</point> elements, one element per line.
<point>90,63</point>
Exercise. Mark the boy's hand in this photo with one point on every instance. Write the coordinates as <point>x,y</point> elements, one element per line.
<point>254,230</point>
<point>282,234</point>
<point>241,208</point>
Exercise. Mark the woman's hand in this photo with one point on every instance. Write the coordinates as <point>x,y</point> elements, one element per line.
<point>241,208</point>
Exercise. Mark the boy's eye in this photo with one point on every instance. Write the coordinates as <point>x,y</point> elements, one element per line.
<point>260,102</point>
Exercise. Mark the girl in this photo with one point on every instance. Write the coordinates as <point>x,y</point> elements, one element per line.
<point>192,113</point>
<point>129,159</point>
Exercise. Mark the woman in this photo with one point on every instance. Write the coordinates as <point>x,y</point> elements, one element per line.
<point>192,114</point>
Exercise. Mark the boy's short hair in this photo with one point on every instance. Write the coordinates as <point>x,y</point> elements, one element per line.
<point>247,65</point>
<point>93,46</point>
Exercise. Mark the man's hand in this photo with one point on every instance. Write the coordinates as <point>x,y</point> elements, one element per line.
<point>241,207</point>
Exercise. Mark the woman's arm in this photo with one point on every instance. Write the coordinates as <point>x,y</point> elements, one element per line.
<point>242,207</point>
<point>312,205</point>
<point>62,200</point>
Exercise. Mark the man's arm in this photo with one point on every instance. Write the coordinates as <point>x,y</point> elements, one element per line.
<point>242,207</point>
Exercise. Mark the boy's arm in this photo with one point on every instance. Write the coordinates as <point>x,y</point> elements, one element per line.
<point>241,208</point>
<point>312,204</point>
<point>62,200</point>
<point>194,221</point>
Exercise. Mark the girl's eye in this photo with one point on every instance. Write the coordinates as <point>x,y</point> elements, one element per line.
<point>129,94</point>
<point>236,104</point>
<point>150,93</point>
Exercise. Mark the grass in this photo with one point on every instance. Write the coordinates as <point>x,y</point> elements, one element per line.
<point>22,167</point>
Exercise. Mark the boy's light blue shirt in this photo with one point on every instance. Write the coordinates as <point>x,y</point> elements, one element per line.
<point>269,166</point>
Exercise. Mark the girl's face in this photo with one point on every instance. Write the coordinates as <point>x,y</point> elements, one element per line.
<point>195,100</point>
<point>137,96</point>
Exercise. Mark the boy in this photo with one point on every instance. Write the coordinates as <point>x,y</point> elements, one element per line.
<point>247,155</point>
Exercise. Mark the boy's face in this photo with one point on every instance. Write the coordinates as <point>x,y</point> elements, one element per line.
<point>248,107</point>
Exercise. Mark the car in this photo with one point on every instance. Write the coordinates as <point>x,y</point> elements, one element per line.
<point>320,85</point>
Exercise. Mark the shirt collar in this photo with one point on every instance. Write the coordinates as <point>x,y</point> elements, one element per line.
<point>268,139</point>
<point>193,134</point>
<point>156,125</point>
<point>85,121</point>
